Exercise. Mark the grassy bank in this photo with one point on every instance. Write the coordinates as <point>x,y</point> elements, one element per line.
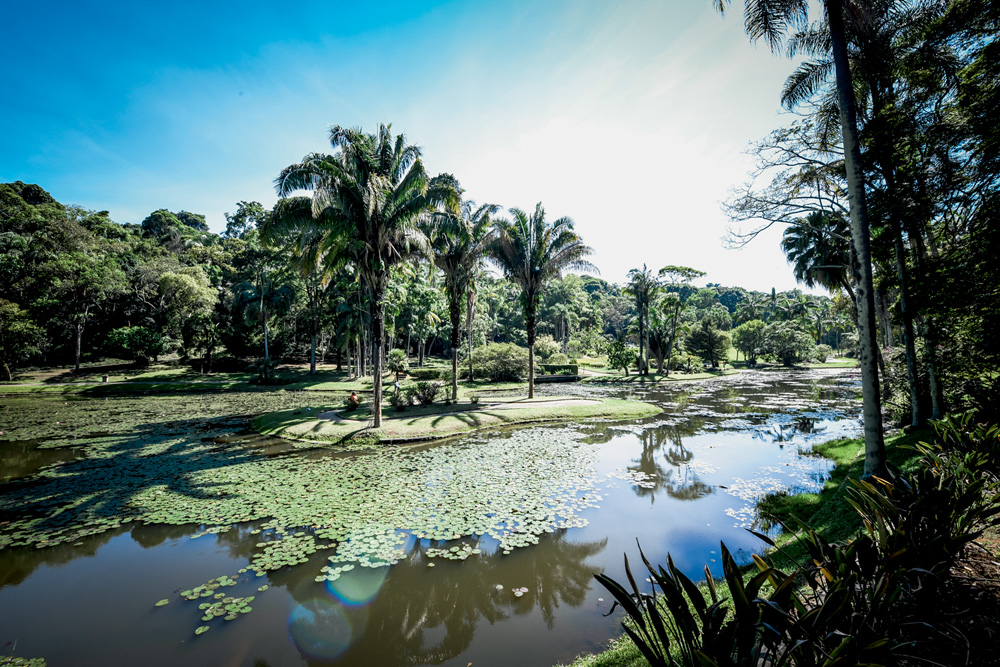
<point>428,422</point>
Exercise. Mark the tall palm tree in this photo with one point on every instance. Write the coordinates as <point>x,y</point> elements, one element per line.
<point>459,239</point>
<point>366,200</point>
<point>530,252</point>
<point>770,20</point>
<point>642,285</point>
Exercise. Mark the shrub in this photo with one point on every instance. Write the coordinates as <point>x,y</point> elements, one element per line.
<point>400,399</point>
<point>558,359</point>
<point>426,392</point>
<point>140,344</point>
<point>822,352</point>
<point>425,373</point>
<point>546,346</point>
<point>499,362</point>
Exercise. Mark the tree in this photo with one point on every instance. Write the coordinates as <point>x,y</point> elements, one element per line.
<point>620,355</point>
<point>770,19</point>
<point>530,252</point>
<point>675,278</point>
<point>819,249</point>
<point>786,342</point>
<point>748,338</point>
<point>642,286</point>
<point>20,337</point>
<point>81,282</point>
<point>459,239</point>
<point>709,342</point>
<point>366,200</point>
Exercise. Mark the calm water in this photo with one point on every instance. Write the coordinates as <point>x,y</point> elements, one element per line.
<point>680,482</point>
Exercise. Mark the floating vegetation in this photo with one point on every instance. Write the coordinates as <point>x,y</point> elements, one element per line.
<point>359,510</point>
<point>11,661</point>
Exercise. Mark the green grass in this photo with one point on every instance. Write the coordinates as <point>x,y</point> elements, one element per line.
<point>429,422</point>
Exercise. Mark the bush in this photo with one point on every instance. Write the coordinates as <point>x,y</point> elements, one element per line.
<point>499,362</point>
<point>546,346</point>
<point>401,399</point>
<point>426,392</point>
<point>425,373</point>
<point>822,352</point>
<point>560,369</point>
<point>140,344</point>
<point>559,359</point>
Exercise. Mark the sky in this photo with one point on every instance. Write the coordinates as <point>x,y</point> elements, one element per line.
<point>632,118</point>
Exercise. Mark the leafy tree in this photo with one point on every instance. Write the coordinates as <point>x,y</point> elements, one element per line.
<point>140,344</point>
<point>367,199</point>
<point>530,252</point>
<point>80,282</point>
<point>20,337</point>
<point>749,339</point>
<point>642,286</point>
<point>709,342</point>
<point>786,342</point>
<point>620,355</point>
<point>675,278</point>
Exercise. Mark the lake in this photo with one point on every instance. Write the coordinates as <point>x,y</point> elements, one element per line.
<point>476,550</point>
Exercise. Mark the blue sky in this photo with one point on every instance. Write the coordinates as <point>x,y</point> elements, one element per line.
<point>630,117</point>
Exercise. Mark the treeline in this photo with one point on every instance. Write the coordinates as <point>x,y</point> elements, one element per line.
<point>77,286</point>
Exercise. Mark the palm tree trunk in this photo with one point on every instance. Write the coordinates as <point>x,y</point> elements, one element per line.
<point>455,313</point>
<point>470,313</point>
<point>860,235</point>
<point>529,321</point>
<point>916,413</point>
<point>378,334</point>
<point>79,345</point>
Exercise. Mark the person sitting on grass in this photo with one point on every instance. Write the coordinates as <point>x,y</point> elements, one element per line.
<point>352,402</point>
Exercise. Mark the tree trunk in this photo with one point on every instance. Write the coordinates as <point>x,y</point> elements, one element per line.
<point>79,343</point>
<point>860,235</point>
<point>312,354</point>
<point>455,313</point>
<point>916,413</point>
<point>378,334</point>
<point>529,322</point>
<point>470,314</point>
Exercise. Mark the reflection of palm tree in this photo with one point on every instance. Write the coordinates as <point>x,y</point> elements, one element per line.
<point>676,478</point>
<point>416,603</point>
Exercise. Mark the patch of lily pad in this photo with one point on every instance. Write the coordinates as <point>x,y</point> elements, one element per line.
<point>359,510</point>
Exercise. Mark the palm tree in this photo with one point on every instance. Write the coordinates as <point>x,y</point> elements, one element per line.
<point>642,285</point>
<point>819,248</point>
<point>366,200</point>
<point>529,252</point>
<point>770,20</point>
<point>459,240</point>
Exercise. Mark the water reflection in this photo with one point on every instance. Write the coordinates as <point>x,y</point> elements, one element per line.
<point>427,615</point>
<point>663,463</point>
<point>23,458</point>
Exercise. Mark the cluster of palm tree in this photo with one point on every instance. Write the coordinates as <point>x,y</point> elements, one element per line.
<point>373,206</point>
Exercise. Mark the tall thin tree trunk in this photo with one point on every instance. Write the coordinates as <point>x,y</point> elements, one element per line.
<point>860,235</point>
<point>470,313</point>
<point>378,334</point>
<point>916,413</point>
<point>79,345</point>
<point>530,326</point>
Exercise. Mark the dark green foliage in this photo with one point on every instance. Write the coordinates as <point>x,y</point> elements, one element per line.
<point>425,373</point>
<point>500,362</point>
<point>620,355</point>
<point>426,392</point>
<point>139,344</point>
<point>560,369</point>
<point>709,342</point>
